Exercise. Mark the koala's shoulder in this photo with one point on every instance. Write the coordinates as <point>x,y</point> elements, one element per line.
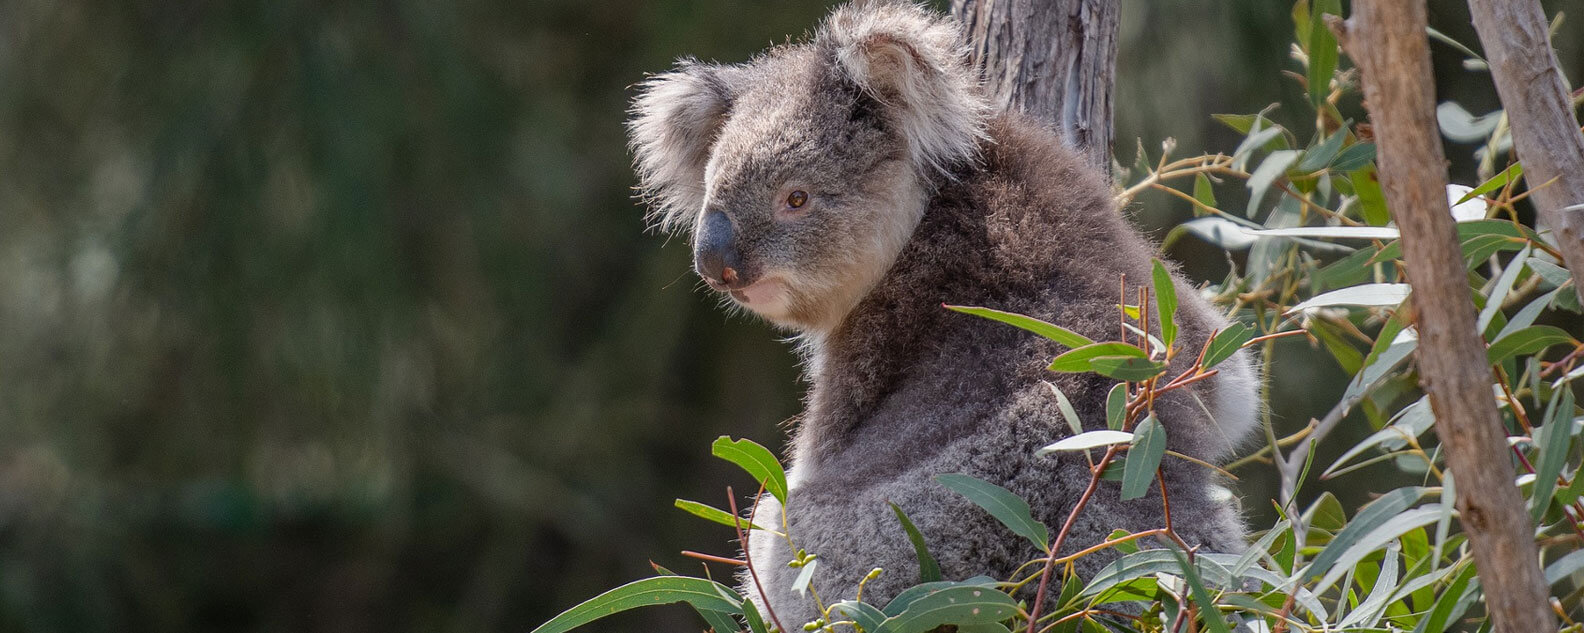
<point>1041,210</point>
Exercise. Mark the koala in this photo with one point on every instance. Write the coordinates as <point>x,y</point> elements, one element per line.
<point>844,188</point>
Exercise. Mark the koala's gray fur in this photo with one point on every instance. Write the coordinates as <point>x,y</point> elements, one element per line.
<point>917,196</point>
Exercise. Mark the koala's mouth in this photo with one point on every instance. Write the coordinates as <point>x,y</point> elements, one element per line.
<point>763,293</point>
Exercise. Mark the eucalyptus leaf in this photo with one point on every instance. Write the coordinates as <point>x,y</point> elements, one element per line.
<point>1226,343</point>
<point>704,595</point>
<point>1144,457</point>
<point>1088,440</point>
<point>1077,360</point>
<point>1010,509</point>
<point>1374,295</point>
<point>929,570</point>
<point>1048,330</point>
<point>1129,368</point>
<point>1165,302</point>
<point>757,460</point>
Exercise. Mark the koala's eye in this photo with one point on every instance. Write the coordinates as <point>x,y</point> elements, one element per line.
<point>796,199</point>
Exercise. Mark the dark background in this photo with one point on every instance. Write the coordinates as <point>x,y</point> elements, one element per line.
<point>338,316</point>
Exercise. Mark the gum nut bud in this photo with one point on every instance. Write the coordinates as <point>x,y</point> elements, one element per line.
<point>873,573</point>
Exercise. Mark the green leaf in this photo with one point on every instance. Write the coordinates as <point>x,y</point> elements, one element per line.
<point>1240,123</point>
<point>805,576</point>
<point>1348,271</point>
<point>1207,606</point>
<point>1148,563</point>
<point>1226,343</point>
<point>1372,542</point>
<point>1274,167</point>
<point>1116,407</point>
<point>717,515</point>
<point>1144,456</point>
<point>1203,192</point>
<point>1086,441</point>
<point>1529,340</point>
<point>1449,605</point>
<point>1504,285</point>
<point>1337,342</point>
<point>1129,368</point>
<point>1372,516</point>
<point>756,623</point>
<point>1066,407</point>
<point>1372,200</point>
<point>1526,316</point>
<point>1322,51</point>
<point>1375,295</point>
<point>1554,441</point>
<point>952,605</point>
<point>755,459</point>
<point>1048,330</point>
<point>1165,302</point>
<point>1551,273</point>
<point>1564,567</point>
<point>1317,157</point>
<point>720,622</point>
<point>1077,360</point>
<point>704,595</point>
<point>903,600</point>
<point>929,570</point>
<point>1010,509</point>
<point>1496,182</point>
<point>864,615</point>
<point>1357,156</point>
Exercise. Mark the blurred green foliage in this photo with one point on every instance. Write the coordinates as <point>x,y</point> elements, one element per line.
<point>339,316</point>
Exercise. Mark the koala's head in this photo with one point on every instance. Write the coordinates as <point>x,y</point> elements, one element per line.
<point>801,174</point>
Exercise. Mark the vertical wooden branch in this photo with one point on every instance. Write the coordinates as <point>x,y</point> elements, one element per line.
<point>1544,130</point>
<point>1054,60</point>
<point>1387,40</point>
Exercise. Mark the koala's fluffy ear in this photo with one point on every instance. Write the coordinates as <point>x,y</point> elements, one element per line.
<point>675,119</point>
<point>912,61</point>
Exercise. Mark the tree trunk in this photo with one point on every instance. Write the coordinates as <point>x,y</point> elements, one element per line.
<point>1387,40</point>
<point>1544,131</point>
<point>1054,60</point>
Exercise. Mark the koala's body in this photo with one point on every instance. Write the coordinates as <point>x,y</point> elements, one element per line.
<point>846,188</point>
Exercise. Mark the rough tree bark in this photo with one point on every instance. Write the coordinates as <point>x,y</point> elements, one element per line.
<point>1544,131</point>
<point>1386,38</point>
<point>1054,60</point>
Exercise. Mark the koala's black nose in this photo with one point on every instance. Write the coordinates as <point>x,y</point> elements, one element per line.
<point>716,256</point>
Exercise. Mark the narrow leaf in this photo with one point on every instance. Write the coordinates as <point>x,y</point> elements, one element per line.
<point>1010,509</point>
<point>1207,606</point>
<point>1355,157</point>
<point>1203,191</point>
<point>700,593</point>
<point>1372,516</point>
<point>1116,407</point>
<point>755,459</point>
<point>862,614</point>
<point>952,605</point>
<point>1526,341</point>
<point>1048,330</point>
<point>1553,441</point>
<point>1078,359</point>
<point>1383,294</point>
<point>717,515</point>
<point>804,577</point>
<point>929,570</point>
<point>1129,368</point>
<point>1338,232</point>
<point>1226,343</point>
<point>1085,441</point>
<point>1066,408</point>
<point>1165,302</point>
<point>1144,456</point>
<point>1496,182</point>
